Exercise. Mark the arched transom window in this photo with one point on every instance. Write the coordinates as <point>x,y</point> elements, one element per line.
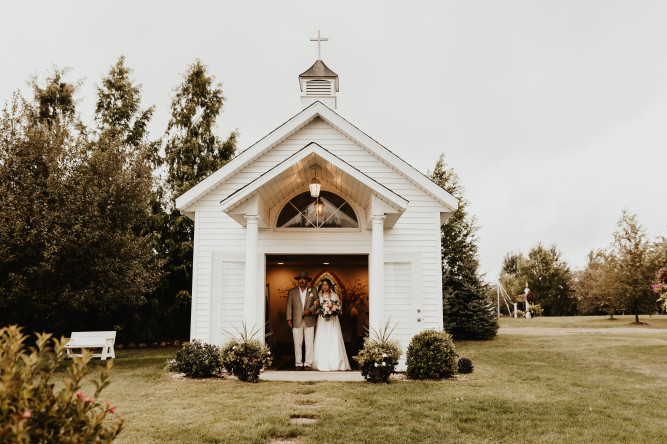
<point>329,211</point>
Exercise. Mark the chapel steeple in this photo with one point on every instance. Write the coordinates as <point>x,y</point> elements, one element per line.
<point>318,83</point>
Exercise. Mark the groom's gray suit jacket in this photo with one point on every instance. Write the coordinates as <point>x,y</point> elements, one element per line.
<point>294,309</point>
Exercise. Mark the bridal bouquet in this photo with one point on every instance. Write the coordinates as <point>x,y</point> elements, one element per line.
<point>329,309</point>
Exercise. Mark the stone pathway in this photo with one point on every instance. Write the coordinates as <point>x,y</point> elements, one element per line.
<point>574,331</point>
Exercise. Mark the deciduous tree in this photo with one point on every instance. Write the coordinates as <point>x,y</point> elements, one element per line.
<point>631,267</point>
<point>73,211</point>
<point>548,277</point>
<point>591,286</point>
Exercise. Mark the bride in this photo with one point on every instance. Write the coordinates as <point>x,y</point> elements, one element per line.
<point>329,353</point>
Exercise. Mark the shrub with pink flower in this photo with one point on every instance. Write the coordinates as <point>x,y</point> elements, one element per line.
<point>35,408</point>
<point>660,285</point>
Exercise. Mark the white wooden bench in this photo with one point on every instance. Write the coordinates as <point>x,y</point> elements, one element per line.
<point>92,339</point>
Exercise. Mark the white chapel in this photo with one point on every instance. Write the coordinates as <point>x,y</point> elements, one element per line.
<point>319,195</point>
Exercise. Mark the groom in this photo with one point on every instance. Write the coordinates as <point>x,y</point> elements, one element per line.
<point>301,319</point>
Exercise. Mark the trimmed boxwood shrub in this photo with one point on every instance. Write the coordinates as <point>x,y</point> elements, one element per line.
<point>431,355</point>
<point>197,360</point>
<point>465,366</point>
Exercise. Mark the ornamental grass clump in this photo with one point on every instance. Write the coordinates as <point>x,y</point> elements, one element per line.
<point>431,355</point>
<point>32,410</point>
<point>197,359</point>
<point>246,357</point>
<point>378,358</point>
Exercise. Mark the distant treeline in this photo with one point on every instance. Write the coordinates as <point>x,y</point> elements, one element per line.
<point>618,279</point>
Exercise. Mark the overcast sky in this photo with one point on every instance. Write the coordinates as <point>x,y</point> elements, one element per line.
<point>553,113</point>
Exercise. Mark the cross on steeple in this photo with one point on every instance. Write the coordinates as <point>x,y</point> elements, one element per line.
<point>319,41</point>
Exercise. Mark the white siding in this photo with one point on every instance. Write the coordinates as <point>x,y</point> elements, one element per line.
<point>417,231</point>
<point>231,305</point>
<point>398,302</point>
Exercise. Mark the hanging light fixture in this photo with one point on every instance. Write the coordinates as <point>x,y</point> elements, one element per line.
<point>319,208</point>
<point>315,185</point>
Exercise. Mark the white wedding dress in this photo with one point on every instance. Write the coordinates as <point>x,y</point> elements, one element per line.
<point>329,350</point>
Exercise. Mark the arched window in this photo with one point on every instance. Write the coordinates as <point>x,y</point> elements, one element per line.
<point>329,211</point>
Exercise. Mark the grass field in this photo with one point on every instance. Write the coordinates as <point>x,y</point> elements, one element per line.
<point>582,388</point>
<point>624,321</point>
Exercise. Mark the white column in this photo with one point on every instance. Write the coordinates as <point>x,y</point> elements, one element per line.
<point>251,308</point>
<point>376,296</point>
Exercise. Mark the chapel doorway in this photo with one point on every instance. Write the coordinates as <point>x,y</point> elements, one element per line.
<point>349,274</point>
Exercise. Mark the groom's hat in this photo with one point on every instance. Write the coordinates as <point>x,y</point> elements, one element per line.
<point>304,275</point>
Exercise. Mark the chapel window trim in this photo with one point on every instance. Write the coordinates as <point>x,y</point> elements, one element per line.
<point>328,211</point>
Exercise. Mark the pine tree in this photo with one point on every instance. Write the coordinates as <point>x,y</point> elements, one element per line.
<point>118,113</point>
<point>193,152</point>
<point>123,123</point>
<point>466,311</point>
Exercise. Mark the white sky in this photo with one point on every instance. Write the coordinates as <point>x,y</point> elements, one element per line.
<point>553,113</point>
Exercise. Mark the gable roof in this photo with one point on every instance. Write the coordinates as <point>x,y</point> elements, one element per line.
<point>397,202</point>
<point>293,125</point>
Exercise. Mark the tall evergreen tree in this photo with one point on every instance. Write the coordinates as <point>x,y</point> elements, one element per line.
<point>466,311</point>
<point>118,112</point>
<point>193,152</point>
<point>121,121</point>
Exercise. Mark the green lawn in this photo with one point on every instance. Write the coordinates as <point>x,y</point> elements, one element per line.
<point>584,388</point>
<point>626,321</point>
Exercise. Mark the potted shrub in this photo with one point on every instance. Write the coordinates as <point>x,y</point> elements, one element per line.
<point>245,357</point>
<point>378,358</point>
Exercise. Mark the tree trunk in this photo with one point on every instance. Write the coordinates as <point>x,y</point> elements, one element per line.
<point>636,317</point>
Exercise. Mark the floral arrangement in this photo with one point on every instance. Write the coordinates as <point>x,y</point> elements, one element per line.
<point>246,357</point>
<point>378,359</point>
<point>660,286</point>
<point>530,297</point>
<point>329,309</point>
<point>355,293</point>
